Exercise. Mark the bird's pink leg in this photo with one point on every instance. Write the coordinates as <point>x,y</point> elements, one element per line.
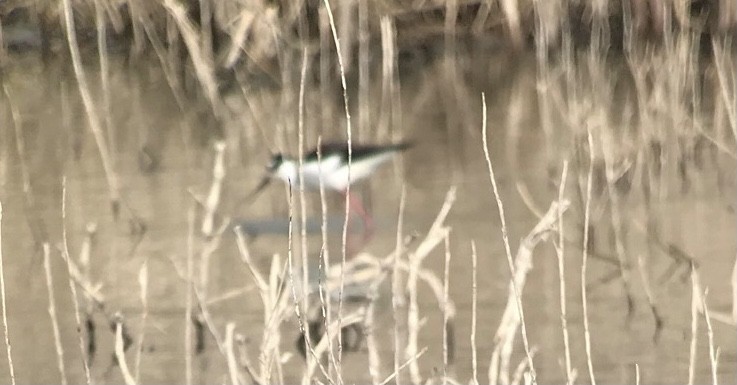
<point>356,206</point>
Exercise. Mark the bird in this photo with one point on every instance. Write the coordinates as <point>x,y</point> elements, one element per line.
<point>331,167</point>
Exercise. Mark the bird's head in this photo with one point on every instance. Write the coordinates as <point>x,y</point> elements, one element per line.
<point>275,163</point>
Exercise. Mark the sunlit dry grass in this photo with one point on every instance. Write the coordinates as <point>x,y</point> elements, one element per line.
<point>619,149</point>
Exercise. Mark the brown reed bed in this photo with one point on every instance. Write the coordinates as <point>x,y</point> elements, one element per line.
<point>614,157</point>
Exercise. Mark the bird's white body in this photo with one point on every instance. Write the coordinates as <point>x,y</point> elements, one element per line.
<point>332,169</point>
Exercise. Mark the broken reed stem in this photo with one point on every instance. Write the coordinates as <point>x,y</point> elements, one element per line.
<point>72,286</point>
<point>585,257</point>
<point>52,312</point>
<point>5,308</point>
<point>189,297</point>
<point>724,87</point>
<point>213,197</point>
<point>434,236</point>
<point>300,313</point>
<point>143,284</point>
<point>120,353</point>
<point>230,354</point>
<point>404,365</point>
<point>303,209</point>
<point>104,68</point>
<point>505,237</point>
<point>324,344</point>
<point>695,305</point>
<point>348,129</point>
<point>325,256</point>
<point>369,325</point>
<point>446,287</point>
<point>203,69</point>
<point>92,117</point>
<point>734,292</point>
<point>474,311</point>
<point>397,294</point>
<point>560,253</point>
<point>709,331</point>
<point>520,371</point>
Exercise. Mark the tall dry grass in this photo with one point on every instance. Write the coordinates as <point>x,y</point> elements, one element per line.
<point>662,123</point>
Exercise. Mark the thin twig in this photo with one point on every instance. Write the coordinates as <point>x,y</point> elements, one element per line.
<point>120,353</point>
<point>585,257</point>
<point>303,209</point>
<point>5,308</point>
<point>143,284</point>
<point>560,252</point>
<point>348,129</point>
<point>52,313</point>
<point>72,287</point>
<point>505,237</point>
<point>474,311</point>
<point>404,365</point>
<point>396,281</point>
<point>446,287</point>
<point>189,297</point>
<point>91,110</point>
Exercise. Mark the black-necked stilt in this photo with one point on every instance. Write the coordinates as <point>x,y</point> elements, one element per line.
<point>332,169</point>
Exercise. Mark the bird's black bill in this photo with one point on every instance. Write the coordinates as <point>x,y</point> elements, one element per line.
<point>248,199</point>
<point>261,186</point>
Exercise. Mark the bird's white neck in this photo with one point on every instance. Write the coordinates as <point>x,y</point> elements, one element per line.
<point>287,171</point>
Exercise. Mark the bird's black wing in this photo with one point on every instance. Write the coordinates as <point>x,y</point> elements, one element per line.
<point>358,151</point>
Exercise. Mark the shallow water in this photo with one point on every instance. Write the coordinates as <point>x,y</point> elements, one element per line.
<point>164,156</point>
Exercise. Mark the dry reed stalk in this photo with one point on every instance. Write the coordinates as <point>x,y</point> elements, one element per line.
<point>8,348</point>
<point>734,292</point>
<point>275,304</point>
<point>374,359</point>
<point>617,221</point>
<point>303,209</point>
<point>364,101</point>
<point>387,75</point>
<point>206,31</point>
<point>160,50</point>
<point>474,311</point>
<point>349,140</point>
<point>52,312</point>
<point>510,8</point>
<point>232,363</point>
<point>514,293</point>
<point>143,284</point>
<point>324,344</point>
<point>512,319</point>
<point>104,69</point>
<point>520,371</point>
<point>203,68</point>
<point>213,197</point>
<point>585,257</point>
<point>446,287</point>
<point>637,374</point>
<point>301,313</point>
<point>244,360</point>
<point>324,256</point>
<point>72,286</point>
<point>701,301</point>
<point>189,297</point>
<point>434,236</point>
<point>120,352</point>
<point>35,224</point>
<point>93,118</point>
<point>408,362</point>
<point>560,253</point>
<point>723,63</point>
<point>397,294</point>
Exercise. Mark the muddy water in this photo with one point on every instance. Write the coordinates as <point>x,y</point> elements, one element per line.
<point>163,155</point>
